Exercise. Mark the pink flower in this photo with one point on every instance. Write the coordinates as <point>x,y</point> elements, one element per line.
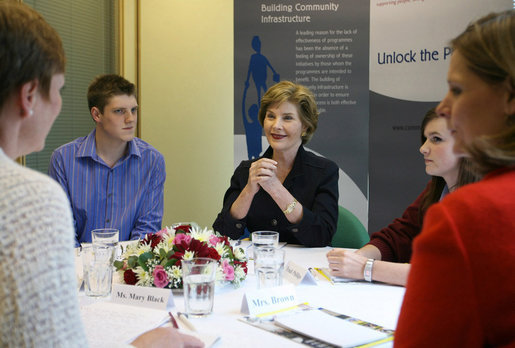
<point>160,277</point>
<point>228,270</point>
<point>182,238</point>
<point>214,240</point>
<point>161,232</point>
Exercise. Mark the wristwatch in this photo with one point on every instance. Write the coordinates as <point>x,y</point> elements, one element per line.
<point>290,207</point>
<point>367,271</point>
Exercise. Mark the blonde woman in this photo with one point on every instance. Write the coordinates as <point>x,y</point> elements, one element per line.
<point>460,288</point>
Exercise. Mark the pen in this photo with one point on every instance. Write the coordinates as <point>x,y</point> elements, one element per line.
<point>313,272</point>
<point>321,271</point>
<point>173,321</point>
<point>184,319</point>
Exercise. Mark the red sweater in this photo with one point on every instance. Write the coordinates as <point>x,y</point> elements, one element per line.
<point>461,287</point>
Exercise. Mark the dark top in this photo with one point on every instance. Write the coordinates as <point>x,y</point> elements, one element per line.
<point>313,181</point>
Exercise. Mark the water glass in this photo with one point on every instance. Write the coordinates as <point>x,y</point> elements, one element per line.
<point>264,239</point>
<point>97,265</point>
<point>268,266</point>
<point>198,279</point>
<point>107,236</point>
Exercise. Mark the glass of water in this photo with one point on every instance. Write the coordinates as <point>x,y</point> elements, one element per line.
<point>268,266</point>
<point>264,239</point>
<point>109,237</point>
<point>97,265</point>
<point>198,279</point>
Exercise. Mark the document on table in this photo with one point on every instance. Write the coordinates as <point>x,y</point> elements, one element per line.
<point>108,324</point>
<point>331,329</point>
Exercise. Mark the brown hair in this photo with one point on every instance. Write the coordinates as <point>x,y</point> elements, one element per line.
<point>104,87</point>
<point>30,49</point>
<point>295,94</point>
<point>488,46</point>
<point>466,173</point>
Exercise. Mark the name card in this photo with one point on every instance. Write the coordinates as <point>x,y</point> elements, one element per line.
<point>298,274</point>
<point>142,296</point>
<point>269,301</point>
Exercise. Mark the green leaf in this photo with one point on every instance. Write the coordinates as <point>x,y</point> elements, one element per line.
<point>170,263</point>
<point>118,264</point>
<point>132,262</point>
<point>229,252</point>
<point>143,258</point>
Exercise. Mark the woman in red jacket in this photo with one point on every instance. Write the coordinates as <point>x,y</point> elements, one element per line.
<point>461,290</point>
<point>386,257</point>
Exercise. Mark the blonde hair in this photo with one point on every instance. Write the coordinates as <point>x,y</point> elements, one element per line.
<point>296,94</point>
<point>488,46</point>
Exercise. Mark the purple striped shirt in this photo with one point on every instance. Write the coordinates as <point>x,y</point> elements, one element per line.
<point>128,197</point>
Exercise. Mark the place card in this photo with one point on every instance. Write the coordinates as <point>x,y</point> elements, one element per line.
<point>298,274</point>
<point>269,301</point>
<point>142,296</point>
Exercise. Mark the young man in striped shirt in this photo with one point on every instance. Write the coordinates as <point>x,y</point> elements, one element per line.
<point>112,178</point>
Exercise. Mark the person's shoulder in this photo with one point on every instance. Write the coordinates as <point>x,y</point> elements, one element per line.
<point>314,160</point>
<point>494,192</point>
<point>145,147</point>
<point>71,146</point>
<point>33,183</point>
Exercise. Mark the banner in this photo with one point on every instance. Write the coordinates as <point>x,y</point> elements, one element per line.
<point>324,46</point>
<point>409,58</point>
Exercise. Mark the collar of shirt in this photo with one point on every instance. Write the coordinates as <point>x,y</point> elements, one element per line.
<point>88,148</point>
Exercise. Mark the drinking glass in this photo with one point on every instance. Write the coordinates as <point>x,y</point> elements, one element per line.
<point>264,239</point>
<point>107,236</point>
<point>97,265</point>
<point>198,279</point>
<point>268,266</point>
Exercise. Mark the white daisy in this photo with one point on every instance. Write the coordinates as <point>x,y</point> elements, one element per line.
<point>188,255</point>
<point>144,278</point>
<point>221,250</point>
<point>239,254</point>
<point>201,235</point>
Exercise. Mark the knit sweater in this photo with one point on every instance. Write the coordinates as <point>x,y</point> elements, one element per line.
<point>38,287</point>
<point>461,290</point>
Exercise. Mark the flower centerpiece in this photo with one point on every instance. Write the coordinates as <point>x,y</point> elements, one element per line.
<point>156,260</point>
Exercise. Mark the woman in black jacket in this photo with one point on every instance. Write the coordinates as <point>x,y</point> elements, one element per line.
<point>288,189</point>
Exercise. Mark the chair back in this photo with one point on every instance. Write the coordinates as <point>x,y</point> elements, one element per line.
<point>350,232</point>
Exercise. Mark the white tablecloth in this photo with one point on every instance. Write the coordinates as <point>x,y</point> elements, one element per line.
<point>376,303</point>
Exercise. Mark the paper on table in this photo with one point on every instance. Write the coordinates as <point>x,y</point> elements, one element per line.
<point>108,324</point>
<point>330,329</point>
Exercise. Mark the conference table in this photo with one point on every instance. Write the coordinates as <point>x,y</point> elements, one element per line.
<point>372,302</point>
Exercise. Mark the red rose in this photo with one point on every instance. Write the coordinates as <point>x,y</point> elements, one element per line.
<point>199,248</point>
<point>178,256</point>
<point>213,254</point>
<point>183,228</point>
<point>129,277</point>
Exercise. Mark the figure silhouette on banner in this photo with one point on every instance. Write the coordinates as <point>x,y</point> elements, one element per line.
<point>258,69</point>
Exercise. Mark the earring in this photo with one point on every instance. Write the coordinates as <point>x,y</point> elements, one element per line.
<point>303,134</point>
<point>31,112</point>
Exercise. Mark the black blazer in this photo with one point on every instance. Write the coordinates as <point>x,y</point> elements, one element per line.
<point>313,181</point>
